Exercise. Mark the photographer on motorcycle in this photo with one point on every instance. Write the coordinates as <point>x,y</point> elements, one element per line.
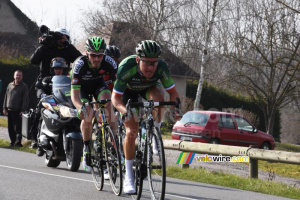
<point>53,44</point>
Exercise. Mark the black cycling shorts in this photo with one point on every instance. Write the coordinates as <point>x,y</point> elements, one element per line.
<point>86,96</point>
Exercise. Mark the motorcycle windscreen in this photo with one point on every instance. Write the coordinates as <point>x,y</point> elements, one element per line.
<point>61,87</point>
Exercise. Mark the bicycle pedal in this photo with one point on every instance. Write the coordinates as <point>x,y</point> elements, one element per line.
<point>103,163</point>
<point>138,154</point>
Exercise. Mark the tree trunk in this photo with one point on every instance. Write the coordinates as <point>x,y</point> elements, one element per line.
<point>205,57</point>
<point>200,84</point>
<point>269,115</point>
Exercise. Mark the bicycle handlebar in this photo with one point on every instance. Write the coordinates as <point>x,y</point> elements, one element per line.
<point>84,104</point>
<point>104,101</point>
<point>151,103</point>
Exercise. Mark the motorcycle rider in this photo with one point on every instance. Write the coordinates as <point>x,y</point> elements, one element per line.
<point>87,79</point>
<point>58,67</point>
<point>55,45</point>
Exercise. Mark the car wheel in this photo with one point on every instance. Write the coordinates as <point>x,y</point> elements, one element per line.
<point>214,141</point>
<point>265,146</point>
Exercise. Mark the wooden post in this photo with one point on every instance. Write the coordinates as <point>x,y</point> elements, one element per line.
<point>185,166</point>
<point>253,165</point>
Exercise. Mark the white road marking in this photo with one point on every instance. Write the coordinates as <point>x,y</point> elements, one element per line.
<point>37,172</point>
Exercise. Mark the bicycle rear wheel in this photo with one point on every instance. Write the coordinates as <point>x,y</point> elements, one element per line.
<point>121,139</point>
<point>113,161</point>
<point>138,177</point>
<point>156,167</point>
<point>97,160</point>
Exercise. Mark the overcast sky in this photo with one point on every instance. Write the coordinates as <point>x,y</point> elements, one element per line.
<point>57,13</point>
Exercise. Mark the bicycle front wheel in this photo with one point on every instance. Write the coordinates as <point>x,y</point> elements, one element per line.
<point>139,173</point>
<point>97,160</point>
<point>156,166</point>
<point>113,161</point>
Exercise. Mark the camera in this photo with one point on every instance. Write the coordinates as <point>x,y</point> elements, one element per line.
<point>49,37</point>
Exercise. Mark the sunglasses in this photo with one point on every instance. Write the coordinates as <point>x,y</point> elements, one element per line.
<point>94,55</point>
<point>149,62</point>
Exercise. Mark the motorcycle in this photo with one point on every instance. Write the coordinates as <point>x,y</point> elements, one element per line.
<point>59,135</point>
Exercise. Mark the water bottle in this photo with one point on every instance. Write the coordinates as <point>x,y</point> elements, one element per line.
<point>143,134</point>
<point>97,146</point>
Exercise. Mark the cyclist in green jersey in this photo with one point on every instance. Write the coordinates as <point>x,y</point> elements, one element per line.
<point>138,76</point>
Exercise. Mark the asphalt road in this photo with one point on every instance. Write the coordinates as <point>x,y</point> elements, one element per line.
<point>25,176</point>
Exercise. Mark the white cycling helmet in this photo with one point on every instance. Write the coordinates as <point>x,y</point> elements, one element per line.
<point>63,31</point>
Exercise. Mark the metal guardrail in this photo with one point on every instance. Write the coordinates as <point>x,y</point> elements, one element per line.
<point>253,153</point>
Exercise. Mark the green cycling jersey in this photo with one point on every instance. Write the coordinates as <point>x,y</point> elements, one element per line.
<point>129,76</point>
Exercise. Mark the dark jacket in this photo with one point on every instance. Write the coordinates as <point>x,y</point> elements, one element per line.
<point>16,97</point>
<point>47,85</point>
<point>43,56</point>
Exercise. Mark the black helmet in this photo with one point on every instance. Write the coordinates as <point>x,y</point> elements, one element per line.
<point>95,44</point>
<point>59,63</point>
<point>113,51</point>
<point>148,48</point>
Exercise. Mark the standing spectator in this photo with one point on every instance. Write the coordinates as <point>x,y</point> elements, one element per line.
<point>15,103</point>
<point>0,86</point>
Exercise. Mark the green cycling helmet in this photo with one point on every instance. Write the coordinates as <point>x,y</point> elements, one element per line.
<point>148,48</point>
<point>95,44</point>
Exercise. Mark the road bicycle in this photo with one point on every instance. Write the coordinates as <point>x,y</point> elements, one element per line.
<point>148,164</point>
<point>121,133</point>
<point>105,150</point>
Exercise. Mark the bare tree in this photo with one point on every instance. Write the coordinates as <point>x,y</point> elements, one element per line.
<point>155,16</point>
<point>287,5</point>
<point>266,56</point>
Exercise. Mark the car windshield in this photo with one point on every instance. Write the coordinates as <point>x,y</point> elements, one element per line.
<point>62,88</point>
<point>195,118</point>
<point>243,124</point>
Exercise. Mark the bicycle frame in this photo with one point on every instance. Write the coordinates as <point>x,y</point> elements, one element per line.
<point>109,152</point>
<point>145,157</point>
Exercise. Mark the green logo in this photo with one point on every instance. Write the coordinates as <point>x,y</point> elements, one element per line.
<point>67,93</point>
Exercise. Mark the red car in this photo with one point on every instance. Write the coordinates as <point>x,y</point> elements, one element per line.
<point>220,128</point>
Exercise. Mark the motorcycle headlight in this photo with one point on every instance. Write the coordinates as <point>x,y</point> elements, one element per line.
<point>67,112</point>
<point>49,106</point>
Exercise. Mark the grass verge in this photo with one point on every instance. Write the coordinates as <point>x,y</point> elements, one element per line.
<point>26,145</point>
<point>282,169</point>
<point>233,181</point>
<point>3,122</point>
